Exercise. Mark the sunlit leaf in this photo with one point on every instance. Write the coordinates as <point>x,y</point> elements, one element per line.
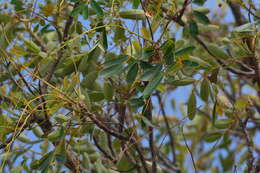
<point>184,51</point>
<point>134,14</point>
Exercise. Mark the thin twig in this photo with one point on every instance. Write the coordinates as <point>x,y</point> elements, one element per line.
<point>167,128</point>
<point>189,150</point>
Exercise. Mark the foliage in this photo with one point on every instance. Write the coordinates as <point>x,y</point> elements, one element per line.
<point>92,86</point>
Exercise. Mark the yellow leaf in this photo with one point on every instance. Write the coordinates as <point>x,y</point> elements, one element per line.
<point>47,9</point>
<point>18,51</point>
<point>219,110</point>
<point>145,33</point>
<point>136,45</point>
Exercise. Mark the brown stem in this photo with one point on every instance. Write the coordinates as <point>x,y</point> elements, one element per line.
<point>101,125</point>
<point>102,150</point>
<point>141,156</point>
<point>249,143</point>
<point>151,140</point>
<point>189,150</point>
<point>174,161</point>
<point>239,18</point>
<point>60,52</point>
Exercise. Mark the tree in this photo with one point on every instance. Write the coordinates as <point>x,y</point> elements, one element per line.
<point>92,86</point>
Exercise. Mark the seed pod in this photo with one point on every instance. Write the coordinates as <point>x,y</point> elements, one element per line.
<point>134,14</point>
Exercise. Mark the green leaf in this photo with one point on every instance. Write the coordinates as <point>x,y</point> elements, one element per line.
<point>86,161</point>
<point>199,2</point>
<point>194,31</point>
<point>60,118</point>
<point>151,72</point>
<point>23,138</point>
<point>148,123</point>
<point>214,112</point>
<point>168,48</point>
<point>132,73</point>
<point>45,162</point>
<point>201,17</point>
<point>112,70</point>
<point>137,102</point>
<point>152,85</point>
<point>60,152</point>
<point>203,10</point>
<point>5,18</point>
<point>96,96</point>
<point>223,123</point>
<point>200,62</point>
<point>108,91</point>
<point>104,39</point>
<point>134,14</point>
<point>248,27</point>
<point>32,46</point>
<point>76,11</point>
<point>124,164</point>
<point>205,90</point>
<point>115,61</point>
<point>56,134</point>
<point>192,106</point>
<point>37,131</point>
<point>85,12</point>
<point>135,4</point>
<point>184,51</point>
<point>89,79</point>
<point>212,137</point>
<point>183,81</point>
<point>18,5</point>
<point>96,8</point>
<point>217,51</point>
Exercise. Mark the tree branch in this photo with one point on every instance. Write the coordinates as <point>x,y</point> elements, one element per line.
<point>174,161</point>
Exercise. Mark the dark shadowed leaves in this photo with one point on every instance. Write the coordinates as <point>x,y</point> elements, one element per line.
<point>192,106</point>
<point>97,8</point>
<point>168,49</point>
<point>199,2</point>
<point>194,31</point>
<point>152,85</point>
<point>132,73</point>
<point>201,17</point>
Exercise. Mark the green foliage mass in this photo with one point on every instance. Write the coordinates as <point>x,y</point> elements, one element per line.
<point>112,86</point>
